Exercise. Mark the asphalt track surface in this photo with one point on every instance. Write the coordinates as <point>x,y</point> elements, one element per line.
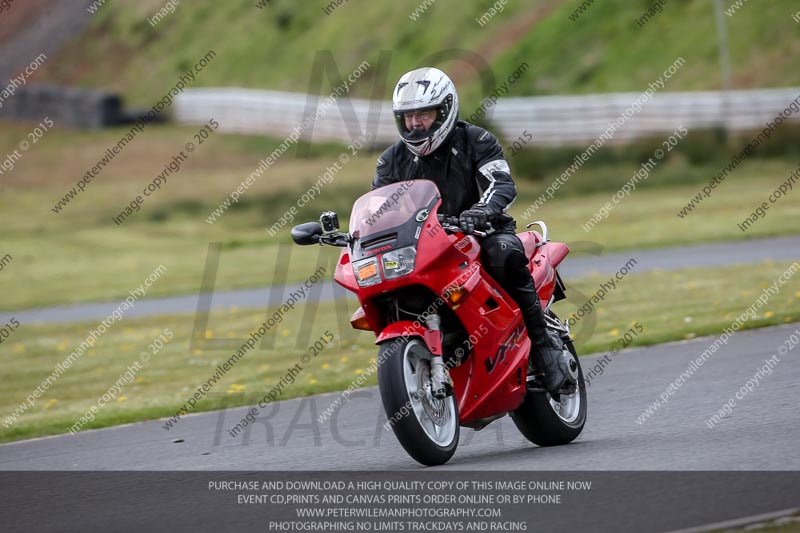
<point>758,439</point>
<point>762,433</point>
<point>586,258</point>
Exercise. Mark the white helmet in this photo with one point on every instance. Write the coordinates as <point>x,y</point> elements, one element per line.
<point>425,88</point>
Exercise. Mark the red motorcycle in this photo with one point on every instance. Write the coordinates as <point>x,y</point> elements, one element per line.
<point>453,350</point>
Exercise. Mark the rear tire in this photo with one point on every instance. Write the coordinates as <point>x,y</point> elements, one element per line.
<point>544,421</point>
<point>427,428</point>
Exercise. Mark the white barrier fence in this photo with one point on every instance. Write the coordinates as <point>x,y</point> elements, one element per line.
<point>551,120</point>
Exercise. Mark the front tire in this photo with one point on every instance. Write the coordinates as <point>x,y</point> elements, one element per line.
<point>547,422</point>
<point>426,427</point>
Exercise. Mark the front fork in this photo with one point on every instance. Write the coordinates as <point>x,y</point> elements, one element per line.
<point>431,335</point>
<point>441,384</point>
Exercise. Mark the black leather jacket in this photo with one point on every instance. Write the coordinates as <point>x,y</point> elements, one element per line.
<point>468,168</point>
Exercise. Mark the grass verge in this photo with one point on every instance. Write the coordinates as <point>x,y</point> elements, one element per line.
<point>80,255</point>
<point>668,305</point>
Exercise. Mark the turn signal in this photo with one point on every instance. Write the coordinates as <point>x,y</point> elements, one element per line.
<point>456,295</point>
<point>359,320</point>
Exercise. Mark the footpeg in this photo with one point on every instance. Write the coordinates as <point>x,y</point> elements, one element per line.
<point>534,383</point>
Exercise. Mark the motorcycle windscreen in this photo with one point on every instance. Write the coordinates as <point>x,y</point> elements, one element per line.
<point>391,216</point>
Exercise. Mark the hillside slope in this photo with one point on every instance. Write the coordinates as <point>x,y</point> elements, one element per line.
<point>602,50</point>
<point>37,27</point>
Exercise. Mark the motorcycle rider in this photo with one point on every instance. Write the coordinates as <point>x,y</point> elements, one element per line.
<point>466,162</point>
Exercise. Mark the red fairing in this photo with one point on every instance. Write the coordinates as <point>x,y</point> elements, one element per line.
<point>544,258</point>
<point>344,273</point>
<point>445,268</point>
<point>557,251</point>
<point>406,328</point>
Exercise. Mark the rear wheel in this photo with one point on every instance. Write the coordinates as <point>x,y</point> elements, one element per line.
<point>551,420</point>
<point>426,427</point>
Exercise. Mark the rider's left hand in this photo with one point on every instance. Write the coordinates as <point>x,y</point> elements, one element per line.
<point>476,217</point>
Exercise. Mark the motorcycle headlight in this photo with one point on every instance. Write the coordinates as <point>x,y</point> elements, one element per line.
<point>399,262</point>
<point>366,272</point>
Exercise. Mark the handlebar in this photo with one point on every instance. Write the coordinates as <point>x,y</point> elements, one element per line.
<point>451,225</point>
<point>335,239</point>
<point>447,220</point>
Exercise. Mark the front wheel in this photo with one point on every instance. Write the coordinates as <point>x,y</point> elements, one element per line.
<point>425,426</point>
<point>549,420</point>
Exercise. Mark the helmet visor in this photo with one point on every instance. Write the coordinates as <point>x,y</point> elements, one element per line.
<point>418,125</point>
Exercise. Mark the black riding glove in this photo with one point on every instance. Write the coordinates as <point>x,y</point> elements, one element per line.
<point>476,217</point>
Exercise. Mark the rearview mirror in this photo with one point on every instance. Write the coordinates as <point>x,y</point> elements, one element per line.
<point>308,233</point>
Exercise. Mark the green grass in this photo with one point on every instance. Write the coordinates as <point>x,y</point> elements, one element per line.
<point>84,256</point>
<point>668,305</point>
<point>675,305</point>
<point>275,47</point>
<point>648,217</point>
<point>81,255</point>
<point>606,51</point>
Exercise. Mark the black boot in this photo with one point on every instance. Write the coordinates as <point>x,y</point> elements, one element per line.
<point>546,348</point>
<point>546,359</point>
